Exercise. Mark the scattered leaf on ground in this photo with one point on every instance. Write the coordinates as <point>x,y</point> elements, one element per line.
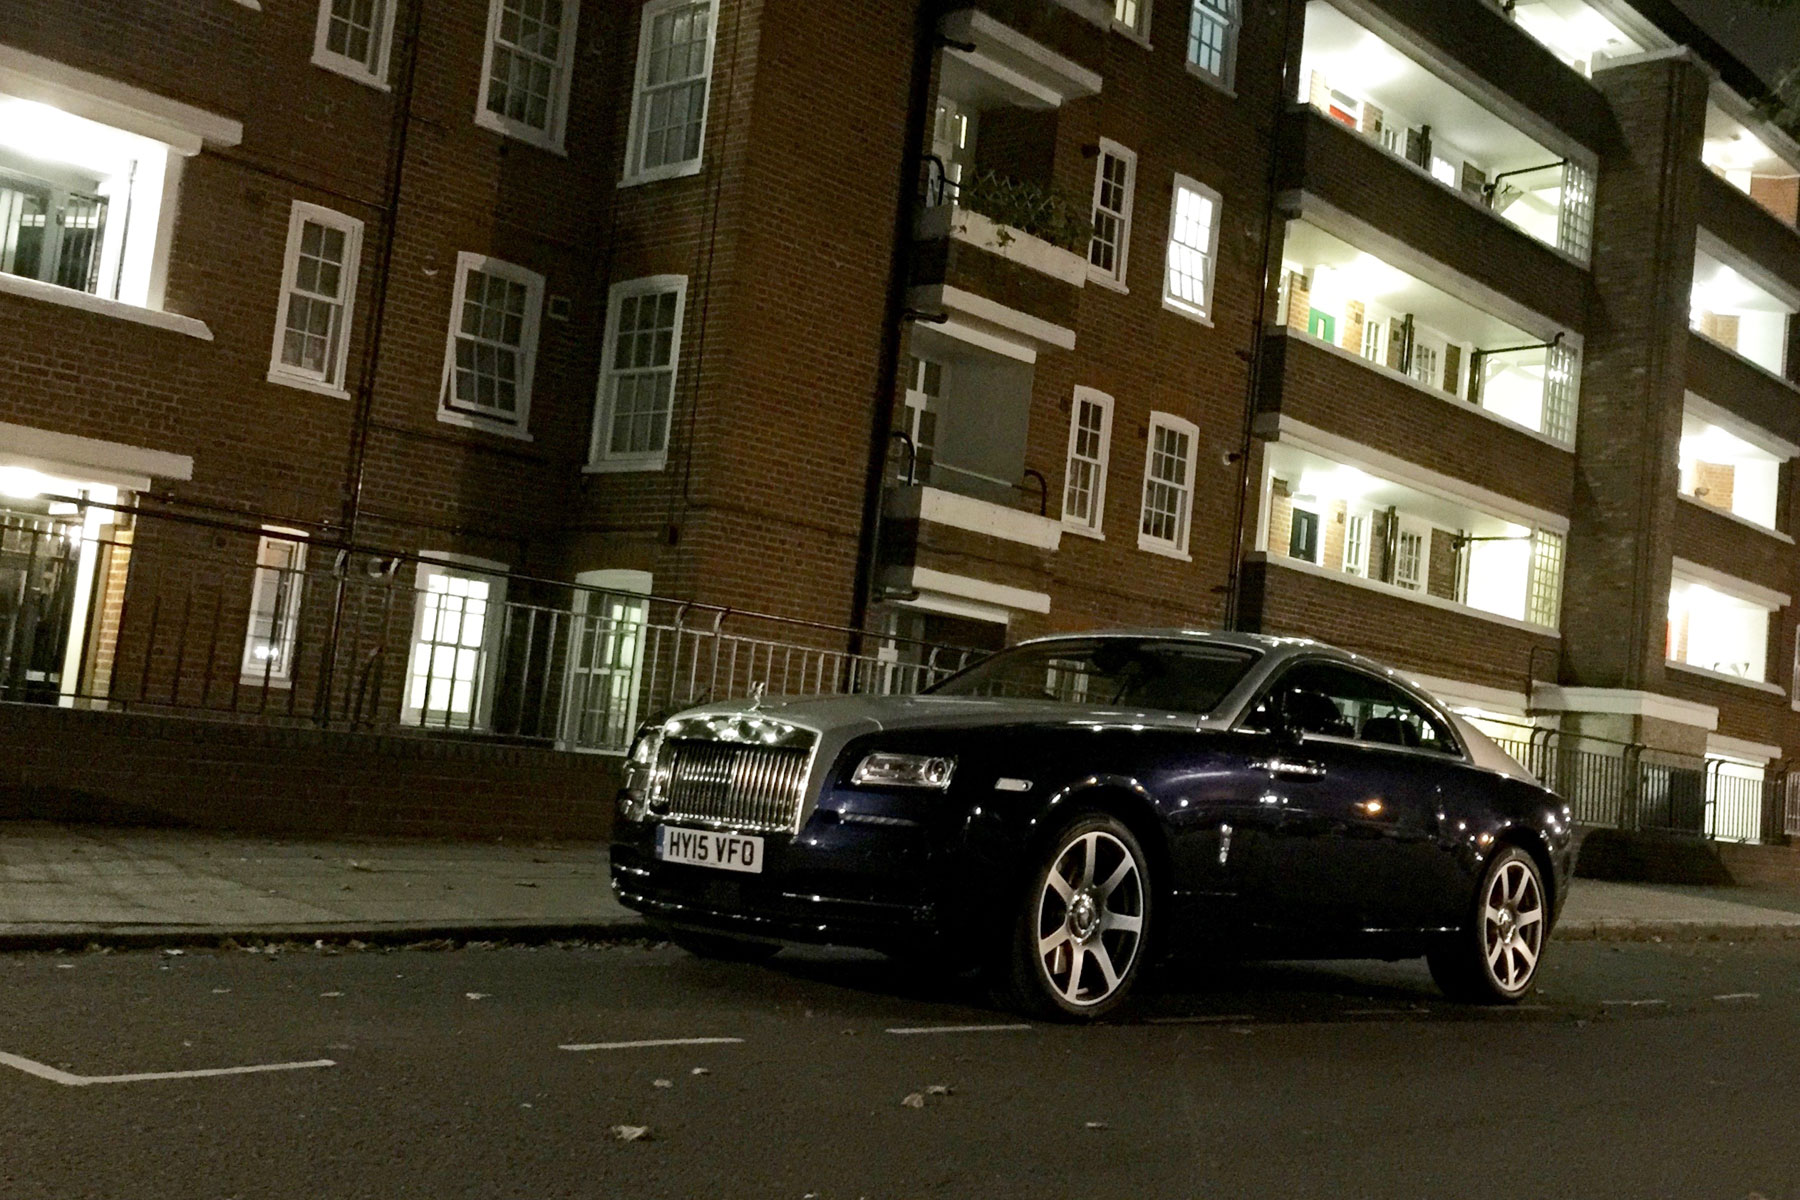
<point>937,1089</point>
<point>329,995</point>
<point>1096,1124</point>
<point>663,1083</point>
<point>914,1100</point>
<point>701,1071</point>
<point>476,995</point>
<point>631,1133</point>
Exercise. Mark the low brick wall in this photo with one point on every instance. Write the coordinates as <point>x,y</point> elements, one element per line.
<point>132,768</point>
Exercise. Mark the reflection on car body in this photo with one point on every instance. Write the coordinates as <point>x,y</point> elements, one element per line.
<point>1073,805</point>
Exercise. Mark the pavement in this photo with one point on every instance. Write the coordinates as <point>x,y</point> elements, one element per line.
<point>68,886</point>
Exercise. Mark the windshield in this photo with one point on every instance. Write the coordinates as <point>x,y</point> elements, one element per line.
<point>1164,675</point>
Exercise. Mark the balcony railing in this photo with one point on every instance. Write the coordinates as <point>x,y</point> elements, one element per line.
<point>1042,212</point>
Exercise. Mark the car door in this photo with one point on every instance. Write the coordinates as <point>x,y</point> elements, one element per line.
<point>1361,781</point>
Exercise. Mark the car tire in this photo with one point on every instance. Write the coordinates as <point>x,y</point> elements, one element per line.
<point>722,948</point>
<point>1494,958</point>
<point>1077,943</point>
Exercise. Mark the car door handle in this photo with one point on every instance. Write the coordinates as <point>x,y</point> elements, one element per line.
<point>1291,767</point>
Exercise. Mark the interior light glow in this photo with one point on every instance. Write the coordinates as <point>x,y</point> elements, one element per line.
<point>23,483</point>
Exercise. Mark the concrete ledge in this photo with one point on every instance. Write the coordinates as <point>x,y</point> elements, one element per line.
<point>341,934</point>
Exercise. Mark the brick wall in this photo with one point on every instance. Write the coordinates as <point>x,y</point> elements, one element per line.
<point>293,781</point>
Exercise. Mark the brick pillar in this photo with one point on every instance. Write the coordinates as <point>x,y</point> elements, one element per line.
<point>1615,607</point>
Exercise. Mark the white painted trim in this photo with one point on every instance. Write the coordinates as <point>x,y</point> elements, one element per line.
<point>298,215</point>
<point>1116,279</point>
<point>1093,528</point>
<point>1731,585</point>
<point>450,558</point>
<point>990,312</point>
<point>1624,702</point>
<point>307,385</point>
<point>924,579</point>
<point>1737,426</point>
<point>1177,549</point>
<point>1766,131</point>
<point>617,579</point>
<point>1016,246</point>
<point>349,67</point>
<point>550,139</point>
<point>1460,403</point>
<point>1771,376</point>
<point>930,602</point>
<point>1453,693</point>
<point>68,454</point>
<point>1094,12</point>
<point>600,429</point>
<point>1761,685</point>
<point>1041,77</point>
<point>939,507</point>
<point>1759,754</point>
<point>632,176</point>
<point>1311,208</point>
<point>528,346</point>
<point>1288,431</point>
<point>110,102</point>
<point>49,293</point>
<point>985,338</point>
<point>1746,522</point>
<point>1708,242</point>
<point>1388,589</point>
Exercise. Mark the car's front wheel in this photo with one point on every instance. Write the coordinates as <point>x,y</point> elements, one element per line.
<point>1077,946</point>
<point>1494,958</point>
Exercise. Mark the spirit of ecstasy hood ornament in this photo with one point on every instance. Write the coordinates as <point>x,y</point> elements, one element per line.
<point>756,694</point>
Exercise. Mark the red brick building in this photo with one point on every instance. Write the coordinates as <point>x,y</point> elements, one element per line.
<point>522,367</point>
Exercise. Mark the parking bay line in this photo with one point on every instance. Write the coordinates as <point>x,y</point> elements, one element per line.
<point>700,1041</point>
<point>69,1079</point>
<point>909,1030</point>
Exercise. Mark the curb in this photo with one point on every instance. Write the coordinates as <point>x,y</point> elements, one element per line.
<point>1672,931</point>
<point>55,936</point>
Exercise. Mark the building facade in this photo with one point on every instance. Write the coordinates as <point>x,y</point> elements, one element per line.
<point>523,368</point>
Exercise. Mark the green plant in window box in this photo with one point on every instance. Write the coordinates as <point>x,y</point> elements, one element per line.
<point>1030,208</point>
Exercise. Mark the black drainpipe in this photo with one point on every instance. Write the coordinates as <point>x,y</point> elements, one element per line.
<point>881,417</point>
<point>356,469</point>
<point>1234,582</point>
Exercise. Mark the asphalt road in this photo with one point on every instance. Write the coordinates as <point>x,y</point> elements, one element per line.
<point>1641,1071</point>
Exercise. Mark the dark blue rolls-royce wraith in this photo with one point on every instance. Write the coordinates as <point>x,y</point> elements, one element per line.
<point>1072,806</point>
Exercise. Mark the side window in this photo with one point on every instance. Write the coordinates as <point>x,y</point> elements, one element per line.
<point>1325,699</point>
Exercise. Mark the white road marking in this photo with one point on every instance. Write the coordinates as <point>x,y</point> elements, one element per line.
<point>703,1041</point>
<point>1226,1020</point>
<point>1740,996</point>
<point>1634,1003</point>
<point>68,1079</point>
<point>907,1030</point>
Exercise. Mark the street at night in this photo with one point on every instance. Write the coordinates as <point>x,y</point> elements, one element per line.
<point>1639,1070</point>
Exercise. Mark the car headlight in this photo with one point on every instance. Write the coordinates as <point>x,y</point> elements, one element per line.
<point>640,773</point>
<point>886,769</point>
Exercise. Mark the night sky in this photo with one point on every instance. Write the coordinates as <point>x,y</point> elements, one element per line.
<point>1768,42</point>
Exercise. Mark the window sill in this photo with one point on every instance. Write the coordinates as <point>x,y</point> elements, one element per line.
<point>1720,676</point>
<point>1163,549</point>
<point>684,170</point>
<point>1093,535</point>
<point>35,289</point>
<point>1212,81</point>
<point>1746,522</point>
<point>349,70</point>
<point>1132,35</point>
<point>1436,393</point>
<point>1181,310</point>
<point>307,385</point>
<point>496,428</point>
<point>620,466</point>
<point>273,685</point>
<point>1388,589</point>
<point>1109,283</point>
<point>520,133</point>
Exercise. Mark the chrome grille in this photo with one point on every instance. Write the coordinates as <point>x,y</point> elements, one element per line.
<point>730,783</point>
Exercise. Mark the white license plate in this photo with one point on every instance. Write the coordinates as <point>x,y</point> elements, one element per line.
<point>704,848</point>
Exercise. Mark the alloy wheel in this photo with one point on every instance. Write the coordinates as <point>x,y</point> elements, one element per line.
<point>1512,925</point>
<point>1090,918</point>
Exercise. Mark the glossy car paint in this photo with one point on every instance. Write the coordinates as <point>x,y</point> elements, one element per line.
<point>1289,845</point>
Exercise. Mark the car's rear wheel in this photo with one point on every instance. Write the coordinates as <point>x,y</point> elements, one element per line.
<point>1494,958</point>
<point>1077,945</point>
<point>722,948</point>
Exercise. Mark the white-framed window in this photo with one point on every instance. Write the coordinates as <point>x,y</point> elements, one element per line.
<point>1356,544</point>
<point>456,624</point>
<point>354,38</point>
<point>1212,40</point>
<point>1374,337</point>
<point>1412,554</point>
<point>1090,446</point>
<point>669,101</point>
<point>1132,17</point>
<point>1427,363</point>
<point>1193,249</point>
<point>273,630</point>
<point>1115,179</point>
<point>493,343</point>
<point>927,383</point>
<point>525,70</point>
<point>318,295</point>
<point>1168,485</point>
<point>606,661</point>
<point>637,374</point>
